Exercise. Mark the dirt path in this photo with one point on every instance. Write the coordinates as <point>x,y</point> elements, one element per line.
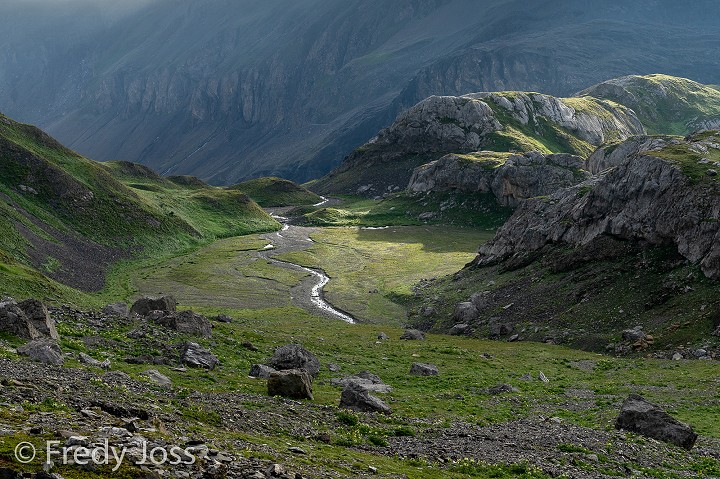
<point>308,294</point>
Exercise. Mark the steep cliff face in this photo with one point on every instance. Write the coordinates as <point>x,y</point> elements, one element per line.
<point>226,89</point>
<point>503,122</point>
<point>510,178</point>
<point>665,196</point>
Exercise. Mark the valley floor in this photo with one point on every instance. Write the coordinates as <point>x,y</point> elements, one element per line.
<point>449,425</point>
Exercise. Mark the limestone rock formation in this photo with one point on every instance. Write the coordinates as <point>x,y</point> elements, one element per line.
<point>511,178</point>
<point>651,196</point>
<point>505,122</point>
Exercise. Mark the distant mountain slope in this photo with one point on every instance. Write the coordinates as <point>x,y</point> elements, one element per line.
<point>69,218</point>
<point>664,104</point>
<point>232,89</point>
<point>501,122</point>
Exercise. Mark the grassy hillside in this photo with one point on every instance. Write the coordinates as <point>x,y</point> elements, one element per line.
<point>271,191</point>
<point>67,219</point>
<point>665,104</point>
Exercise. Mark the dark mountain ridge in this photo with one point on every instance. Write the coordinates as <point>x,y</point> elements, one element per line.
<point>232,90</point>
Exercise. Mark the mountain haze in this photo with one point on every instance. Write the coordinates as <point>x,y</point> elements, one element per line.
<point>228,90</point>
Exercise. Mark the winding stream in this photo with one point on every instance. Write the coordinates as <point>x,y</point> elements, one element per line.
<point>310,292</point>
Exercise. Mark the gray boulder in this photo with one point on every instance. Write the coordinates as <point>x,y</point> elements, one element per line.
<point>291,383</point>
<point>223,318</point>
<point>413,335</point>
<point>157,377</point>
<point>14,321</point>
<point>294,356</point>
<point>465,312</point>
<point>38,315</point>
<point>634,334</point>
<point>382,336</point>
<point>196,356</point>
<point>42,351</point>
<point>355,397</point>
<point>187,322</point>
<point>118,310</point>
<point>364,379</point>
<point>144,305</point>
<point>261,371</point>
<point>423,369</point>
<point>641,417</point>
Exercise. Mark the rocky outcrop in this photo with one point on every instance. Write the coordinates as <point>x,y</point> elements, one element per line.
<point>511,178</point>
<point>28,320</point>
<point>644,198</point>
<point>665,104</point>
<point>423,369</point>
<point>508,121</point>
<point>440,123</point>
<point>591,120</point>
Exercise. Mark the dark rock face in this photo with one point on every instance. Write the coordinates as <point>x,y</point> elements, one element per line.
<point>260,371</point>
<point>196,356</point>
<point>639,416</point>
<point>187,322</point>
<point>354,396</point>
<point>291,383</point>
<point>294,356</point>
<point>413,335</point>
<point>422,369</point>
<point>144,306</point>
<point>42,351</point>
<point>643,198</point>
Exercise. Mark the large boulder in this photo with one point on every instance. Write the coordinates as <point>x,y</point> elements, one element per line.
<point>413,335</point>
<point>465,312</point>
<point>292,383</point>
<point>14,321</point>
<point>196,356</point>
<point>354,396</point>
<point>42,351</point>
<point>642,417</point>
<point>187,322</point>
<point>38,315</point>
<point>294,356</point>
<point>146,304</point>
<point>423,369</point>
